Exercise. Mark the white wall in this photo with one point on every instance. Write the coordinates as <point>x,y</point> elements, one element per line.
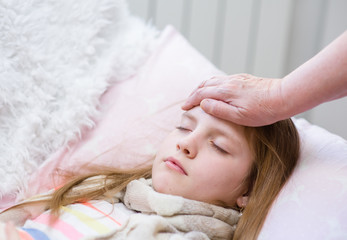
<point>267,38</point>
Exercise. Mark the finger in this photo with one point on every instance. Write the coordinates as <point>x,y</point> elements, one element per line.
<point>202,93</point>
<point>213,81</point>
<point>223,110</point>
<point>219,80</point>
<point>204,88</point>
<point>208,82</point>
<point>195,89</point>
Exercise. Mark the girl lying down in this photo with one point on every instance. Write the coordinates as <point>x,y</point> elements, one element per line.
<point>210,179</point>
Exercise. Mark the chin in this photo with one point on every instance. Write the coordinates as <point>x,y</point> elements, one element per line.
<point>162,185</point>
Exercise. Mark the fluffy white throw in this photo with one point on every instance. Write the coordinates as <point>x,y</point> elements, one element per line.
<point>165,217</point>
<point>56,60</point>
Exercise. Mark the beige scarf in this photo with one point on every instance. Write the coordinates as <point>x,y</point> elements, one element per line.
<point>162,216</point>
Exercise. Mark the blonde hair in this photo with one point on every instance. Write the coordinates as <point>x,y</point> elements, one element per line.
<point>101,184</point>
<point>275,148</point>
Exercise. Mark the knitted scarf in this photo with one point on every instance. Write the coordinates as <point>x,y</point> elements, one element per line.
<point>162,216</point>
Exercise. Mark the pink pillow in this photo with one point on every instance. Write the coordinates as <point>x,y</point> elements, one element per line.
<point>137,114</point>
<point>313,203</point>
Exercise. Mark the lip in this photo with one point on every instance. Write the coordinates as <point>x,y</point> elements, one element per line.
<point>175,165</point>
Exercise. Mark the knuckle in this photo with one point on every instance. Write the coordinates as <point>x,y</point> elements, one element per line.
<point>199,94</point>
<point>216,110</point>
<point>225,91</point>
<point>202,84</point>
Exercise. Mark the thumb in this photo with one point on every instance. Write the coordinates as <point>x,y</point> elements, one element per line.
<point>221,110</point>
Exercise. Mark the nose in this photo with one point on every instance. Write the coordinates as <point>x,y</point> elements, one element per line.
<point>187,146</point>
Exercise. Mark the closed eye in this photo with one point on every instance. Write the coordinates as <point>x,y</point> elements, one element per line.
<point>218,148</point>
<point>182,128</point>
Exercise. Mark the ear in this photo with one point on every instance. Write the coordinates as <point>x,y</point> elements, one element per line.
<point>242,201</point>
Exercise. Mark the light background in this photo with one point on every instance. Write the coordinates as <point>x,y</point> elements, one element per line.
<point>267,38</point>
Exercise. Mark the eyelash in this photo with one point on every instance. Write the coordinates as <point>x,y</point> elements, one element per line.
<point>219,149</point>
<point>216,147</point>
<point>182,128</point>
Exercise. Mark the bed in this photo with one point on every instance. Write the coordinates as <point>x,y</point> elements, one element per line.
<point>99,86</point>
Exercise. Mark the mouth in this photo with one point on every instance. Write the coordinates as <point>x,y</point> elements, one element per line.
<point>175,165</point>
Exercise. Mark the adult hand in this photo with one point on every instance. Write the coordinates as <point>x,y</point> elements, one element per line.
<point>242,98</point>
<point>253,101</point>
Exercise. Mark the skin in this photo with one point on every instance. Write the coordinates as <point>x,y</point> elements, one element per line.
<point>215,158</point>
<point>214,154</point>
<point>254,101</point>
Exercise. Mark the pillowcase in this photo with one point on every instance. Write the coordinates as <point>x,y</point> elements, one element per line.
<point>312,205</point>
<point>138,113</point>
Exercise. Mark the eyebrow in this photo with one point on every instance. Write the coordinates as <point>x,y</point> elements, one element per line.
<point>188,115</point>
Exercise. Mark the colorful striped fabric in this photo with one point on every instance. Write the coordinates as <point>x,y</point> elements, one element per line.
<point>90,219</point>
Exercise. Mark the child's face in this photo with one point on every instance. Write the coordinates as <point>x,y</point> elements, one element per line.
<point>205,159</point>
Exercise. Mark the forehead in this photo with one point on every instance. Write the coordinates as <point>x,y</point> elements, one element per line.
<point>197,114</point>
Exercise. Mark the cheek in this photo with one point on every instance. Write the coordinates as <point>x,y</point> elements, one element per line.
<point>167,146</point>
<point>160,178</point>
<point>225,174</point>
<point>158,181</point>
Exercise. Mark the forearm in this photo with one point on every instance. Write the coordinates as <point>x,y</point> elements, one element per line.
<point>323,78</point>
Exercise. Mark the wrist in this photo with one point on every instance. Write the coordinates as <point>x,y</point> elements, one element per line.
<point>281,106</point>
<point>296,96</point>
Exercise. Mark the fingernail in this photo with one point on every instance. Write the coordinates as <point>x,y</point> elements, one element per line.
<point>184,106</point>
<point>205,103</point>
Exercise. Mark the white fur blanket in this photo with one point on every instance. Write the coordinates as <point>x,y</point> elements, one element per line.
<point>56,59</point>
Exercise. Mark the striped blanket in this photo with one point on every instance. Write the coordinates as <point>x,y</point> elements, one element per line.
<point>139,212</point>
<point>78,221</point>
